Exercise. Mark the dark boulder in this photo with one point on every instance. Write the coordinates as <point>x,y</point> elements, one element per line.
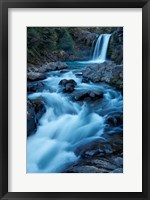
<point>64,71</point>
<point>31,122</point>
<point>35,87</point>
<point>85,80</point>
<point>114,119</point>
<point>56,66</point>
<point>78,75</point>
<point>87,95</point>
<point>39,108</point>
<point>35,76</point>
<point>35,110</point>
<point>116,141</point>
<point>97,148</point>
<point>68,85</point>
<point>63,82</point>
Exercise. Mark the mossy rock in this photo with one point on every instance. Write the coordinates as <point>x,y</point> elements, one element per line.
<point>118,83</point>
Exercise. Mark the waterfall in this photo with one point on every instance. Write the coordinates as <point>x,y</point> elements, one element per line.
<point>100,50</point>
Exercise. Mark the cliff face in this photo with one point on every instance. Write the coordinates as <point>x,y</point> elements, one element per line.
<point>51,44</point>
<point>115,49</point>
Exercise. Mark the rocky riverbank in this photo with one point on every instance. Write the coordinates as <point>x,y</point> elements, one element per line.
<point>103,155</point>
<point>107,72</point>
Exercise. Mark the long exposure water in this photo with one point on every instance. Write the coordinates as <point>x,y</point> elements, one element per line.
<point>67,124</point>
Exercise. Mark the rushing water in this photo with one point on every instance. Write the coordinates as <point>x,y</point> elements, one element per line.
<point>100,50</point>
<point>67,124</point>
<point>99,53</point>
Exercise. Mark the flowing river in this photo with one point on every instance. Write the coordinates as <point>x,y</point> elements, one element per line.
<point>68,124</point>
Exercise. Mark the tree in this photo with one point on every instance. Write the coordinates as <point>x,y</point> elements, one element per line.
<point>66,42</point>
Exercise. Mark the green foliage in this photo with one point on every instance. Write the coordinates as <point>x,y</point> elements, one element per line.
<point>48,43</point>
<point>39,41</point>
<point>66,43</point>
<point>42,38</point>
<point>118,83</point>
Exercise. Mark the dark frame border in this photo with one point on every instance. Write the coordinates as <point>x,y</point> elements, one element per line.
<point>4,6</point>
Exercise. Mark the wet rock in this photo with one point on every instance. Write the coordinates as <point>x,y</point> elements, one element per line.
<point>62,55</point>
<point>56,66</point>
<point>115,48</point>
<point>36,72</point>
<point>68,85</point>
<point>92,152</point>
<point>114,119</point>
<point>85,169</point>
<point>64,71</point>
<point>31,122</point>
<point>98,148</point>
<point>35,110</point>
<point>107,72</point>
<point>119,170</point>
<point>87,95</point>
<point>118,161</point>
<point>78,75</point>
<point>35,87</point>
<point>36,68</point>
<point>85,80</point>
<point>103,164</point>
<point>116,141</point>
<point>103,156</point>
<point>35,76</point>
<point>39,108</point>
<point>108,149</point>
<point>63,82</point>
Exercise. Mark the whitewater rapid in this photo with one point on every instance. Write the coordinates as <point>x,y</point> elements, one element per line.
<point>66,124</point>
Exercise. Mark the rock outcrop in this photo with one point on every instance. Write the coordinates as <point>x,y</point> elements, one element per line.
<point>115,49</point>
<point>107,72</point>
<point>99,157</point>
<point>67,85</point>
<point>35,110</point>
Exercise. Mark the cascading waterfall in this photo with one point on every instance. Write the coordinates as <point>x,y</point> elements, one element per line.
<point>100,50</point>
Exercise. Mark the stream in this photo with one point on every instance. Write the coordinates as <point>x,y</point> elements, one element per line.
<point>68,124</point>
